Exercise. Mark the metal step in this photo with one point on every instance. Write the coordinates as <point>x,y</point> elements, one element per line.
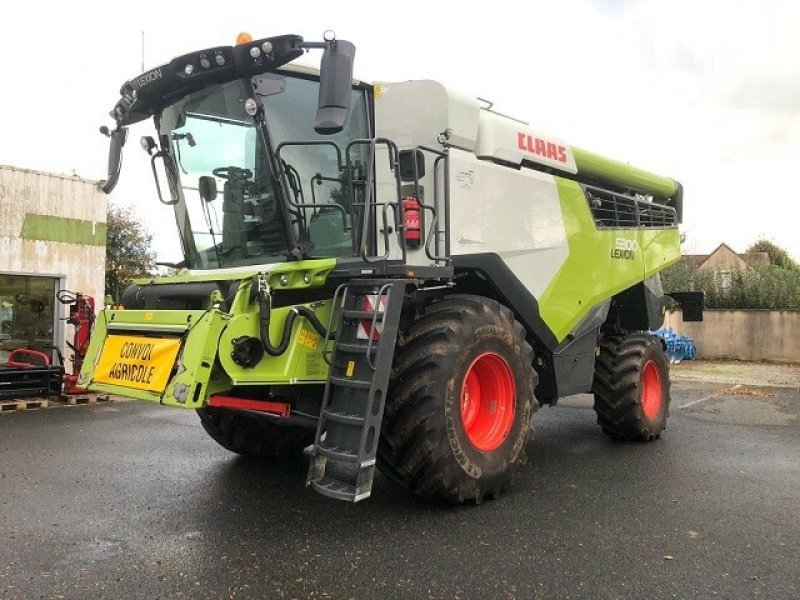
<point>343,417</point>
<point>337,453</point>
<point>340,490</point>
<point>362,315</point>
<point>353,383</point>
<point>356,348</point>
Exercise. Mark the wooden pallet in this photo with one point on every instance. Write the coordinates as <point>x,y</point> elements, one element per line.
<point>30,403</point>
<point>86,399</point>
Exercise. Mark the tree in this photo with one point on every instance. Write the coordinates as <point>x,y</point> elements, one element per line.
<point>778,257</point>
<point>128,253</point>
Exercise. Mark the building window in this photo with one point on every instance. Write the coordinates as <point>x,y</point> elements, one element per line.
<point>725,280</point>
<point>27,313</point>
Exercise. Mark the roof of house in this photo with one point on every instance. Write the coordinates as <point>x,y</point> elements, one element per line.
<point>754,260</point>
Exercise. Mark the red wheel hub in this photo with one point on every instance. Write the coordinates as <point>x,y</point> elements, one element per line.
<point>651,389</point>
<point>488,401</point>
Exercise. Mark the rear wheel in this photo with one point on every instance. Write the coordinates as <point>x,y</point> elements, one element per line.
<point>459,409</point>
<point>631,387</point>
<point>252,435</point>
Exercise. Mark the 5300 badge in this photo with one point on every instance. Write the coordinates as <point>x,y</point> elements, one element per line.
<point>624,249</point>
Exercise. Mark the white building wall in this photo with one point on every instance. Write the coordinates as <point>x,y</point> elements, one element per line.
<point>53,225</point>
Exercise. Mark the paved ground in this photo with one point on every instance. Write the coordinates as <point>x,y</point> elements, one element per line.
<point>133,501</point>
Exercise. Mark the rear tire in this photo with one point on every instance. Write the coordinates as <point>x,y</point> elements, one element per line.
<point>631,387</point>
<point>458,414</point>
<point>254,436</point>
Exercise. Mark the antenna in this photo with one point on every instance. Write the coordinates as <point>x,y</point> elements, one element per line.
<point>143,51</point>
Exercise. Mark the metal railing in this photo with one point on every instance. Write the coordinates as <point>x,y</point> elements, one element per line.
<point>618,211</point>
<point>362,198</point>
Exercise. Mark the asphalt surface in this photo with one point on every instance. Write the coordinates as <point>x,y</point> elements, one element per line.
<point>132,500</point>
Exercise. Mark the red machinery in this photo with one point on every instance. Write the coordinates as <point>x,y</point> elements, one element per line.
<point>29,372</point>
<point>81,317</point>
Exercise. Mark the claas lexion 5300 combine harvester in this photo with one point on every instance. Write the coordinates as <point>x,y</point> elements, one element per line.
<point>388,274</point>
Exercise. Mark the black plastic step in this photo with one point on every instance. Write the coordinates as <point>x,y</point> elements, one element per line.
<point>354,383</point>
<point>343,417</point>
<point>362,315</point>
<point>357,348</point>
<point>337,453</point>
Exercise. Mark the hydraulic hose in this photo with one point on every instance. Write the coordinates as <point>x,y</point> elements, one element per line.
<point>264,319</point>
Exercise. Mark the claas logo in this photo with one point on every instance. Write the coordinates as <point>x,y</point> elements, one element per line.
<point>540,147</point>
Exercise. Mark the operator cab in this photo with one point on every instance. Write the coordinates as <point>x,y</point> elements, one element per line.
<point>259,161</point>
<point>216,144</point>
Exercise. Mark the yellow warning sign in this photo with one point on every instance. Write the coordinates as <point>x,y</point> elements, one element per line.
<point>351,366</point>
<point>137,362</point>
<point>308,339</point>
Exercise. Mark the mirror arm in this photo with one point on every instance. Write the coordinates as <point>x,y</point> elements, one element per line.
<point>117,137</point>
<point>108,185</point>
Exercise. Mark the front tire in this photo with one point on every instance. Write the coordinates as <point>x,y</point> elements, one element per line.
<point>631,387</point>
<point>254,436</point>
<point>459,410</point>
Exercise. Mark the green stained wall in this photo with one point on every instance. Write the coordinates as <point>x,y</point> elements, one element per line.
<point>62,229</point>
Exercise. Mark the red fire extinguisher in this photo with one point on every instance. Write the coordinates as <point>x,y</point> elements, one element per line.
<point>412,220</point>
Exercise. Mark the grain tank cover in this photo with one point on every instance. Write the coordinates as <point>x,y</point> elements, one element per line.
<point>416,113</point>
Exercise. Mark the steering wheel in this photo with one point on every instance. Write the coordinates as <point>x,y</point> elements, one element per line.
<point>232,173</point>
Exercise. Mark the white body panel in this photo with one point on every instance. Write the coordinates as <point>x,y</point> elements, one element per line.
<point>415,113</point>
<point>493,207</point>
<point>515,214</point>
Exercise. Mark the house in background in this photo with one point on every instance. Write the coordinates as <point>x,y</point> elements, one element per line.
<point>724,261</point>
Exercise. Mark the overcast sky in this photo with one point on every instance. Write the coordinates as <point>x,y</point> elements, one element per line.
<point>705,92</point>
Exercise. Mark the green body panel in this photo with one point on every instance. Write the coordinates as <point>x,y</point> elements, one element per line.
<point>615,172</point>
<point>62,229</point>
<point>591,275</point>
<point>301,363</point>
<point>199,332</point>
<point>204,365</point>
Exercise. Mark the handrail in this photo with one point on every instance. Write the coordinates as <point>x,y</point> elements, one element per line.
<point>436,243</point>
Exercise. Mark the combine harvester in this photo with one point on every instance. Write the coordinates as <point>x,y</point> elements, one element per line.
<point>385,274</point>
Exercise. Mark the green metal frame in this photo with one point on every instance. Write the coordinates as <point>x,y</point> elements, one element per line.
<point>204,365</point>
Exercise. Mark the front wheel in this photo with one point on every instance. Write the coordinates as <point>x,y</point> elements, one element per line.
<point>254,436</point>
<point>459,409</point>
<point>631,387</point>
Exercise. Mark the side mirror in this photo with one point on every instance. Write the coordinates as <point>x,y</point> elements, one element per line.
<point>335,86</point>
<point>117,137</point>
<point>207,186</point>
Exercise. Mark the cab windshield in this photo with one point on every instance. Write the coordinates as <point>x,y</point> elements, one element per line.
<point>215,144</point>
